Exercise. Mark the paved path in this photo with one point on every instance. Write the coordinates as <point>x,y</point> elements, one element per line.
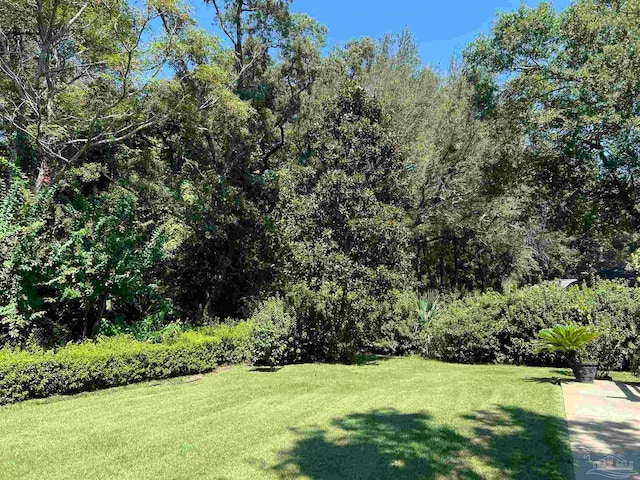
<point>604,426</point>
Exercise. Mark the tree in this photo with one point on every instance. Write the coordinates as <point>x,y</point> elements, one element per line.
<point>472,225</point>
<point>224,160</point>
<point>342,212</point>
<point>78,76</point>
<point>570,81</point>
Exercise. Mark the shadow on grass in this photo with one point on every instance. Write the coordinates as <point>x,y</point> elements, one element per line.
<point>266,369</point>
<point>522,444</point>
<point>371,359</point>
<point>551,380</point>
<point>358,360</point>
<point>384,444</point>
<point>387,444</point>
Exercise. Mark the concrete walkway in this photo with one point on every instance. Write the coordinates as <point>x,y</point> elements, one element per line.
<point>604,427</point>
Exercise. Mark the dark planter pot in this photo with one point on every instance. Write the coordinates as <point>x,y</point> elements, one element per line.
<point>585,372</point>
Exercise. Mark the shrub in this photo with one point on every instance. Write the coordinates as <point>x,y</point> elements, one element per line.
<point>236,344</point>
<point>330,321</point>
<point>326,324</point>
<point>397,327</point>
<point>501,328</point>
<point>152,328</point>
<point>468,330</point>
<point>310,324</point>
<point>274,339</point>
<point>66,266</point>
<point>115,361</point>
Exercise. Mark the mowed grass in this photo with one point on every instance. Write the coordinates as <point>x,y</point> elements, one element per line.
<point>400,418</point>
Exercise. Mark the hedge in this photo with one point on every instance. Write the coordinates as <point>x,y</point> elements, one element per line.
<point>114,361</point>
<point>500,328</point>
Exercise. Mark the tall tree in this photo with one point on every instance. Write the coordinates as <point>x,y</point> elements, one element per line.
<point>571,81</point>
<point>224,159</point>
<point>342,211</point>
<point>78,76</point>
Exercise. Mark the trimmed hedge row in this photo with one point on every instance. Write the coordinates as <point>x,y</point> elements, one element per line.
<point>500,328</point>
<point>115,361</point>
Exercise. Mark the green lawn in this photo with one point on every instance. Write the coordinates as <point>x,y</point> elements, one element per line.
<point>388,419</point>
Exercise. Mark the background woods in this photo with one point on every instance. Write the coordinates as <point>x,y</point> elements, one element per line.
<point>154,174</point>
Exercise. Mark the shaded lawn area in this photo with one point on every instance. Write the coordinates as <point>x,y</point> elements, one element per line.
<point>401,418</point>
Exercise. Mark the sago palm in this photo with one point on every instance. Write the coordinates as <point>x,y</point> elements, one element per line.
<point>570,339</point>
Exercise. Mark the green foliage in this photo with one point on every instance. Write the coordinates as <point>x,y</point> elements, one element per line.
<point>634,263</point>
<point>306,325</point>
<point>93,84</point>
<point>393,327</point>
<point>311,324</point>
<point>428,306</point>
<point>568,81</point>
<point>158,177</point>
<point>468,330</point>
<point>23,218</point>
<point>103,256</point>
<point>570,339</point>
<point>119,360</point>
<point>81,259</point>
<point>275,334</point>
<point>502,328</point>
<point>344,229</point>
<point>152,328</point>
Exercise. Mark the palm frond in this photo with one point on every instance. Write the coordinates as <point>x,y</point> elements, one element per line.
<point>568,339</point>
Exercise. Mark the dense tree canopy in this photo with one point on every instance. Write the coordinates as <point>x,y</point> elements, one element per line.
<point>571,82</point>
<point>153,172</point>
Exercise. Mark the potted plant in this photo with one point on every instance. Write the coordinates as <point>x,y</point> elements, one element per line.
<point>571,340</point>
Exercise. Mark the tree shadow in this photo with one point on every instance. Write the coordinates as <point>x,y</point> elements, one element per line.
<point>371,359</point>
<point>386,444</point>
<point>523,444</point>
<point>630,390</point>
<point>266,369</point>
<point>381,444</point>
<point>608,433</point>
<point>599,440</point>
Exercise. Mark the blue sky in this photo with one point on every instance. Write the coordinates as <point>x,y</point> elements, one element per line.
<point>442,27</point>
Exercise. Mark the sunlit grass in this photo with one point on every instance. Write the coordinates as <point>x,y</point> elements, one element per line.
<point>396,418</point>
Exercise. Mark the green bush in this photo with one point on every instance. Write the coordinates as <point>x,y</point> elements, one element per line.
<point>330,321</point>
<point>310,324</point>
<point>114,361</point>
<point>396,327</point>
<point>501,328</point>
<point>236,345</point>
<point>274,339</point>
<point>66,266</point>
<point>326,325</point>
<point>152,328</point>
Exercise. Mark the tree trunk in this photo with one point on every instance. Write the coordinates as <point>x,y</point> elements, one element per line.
<point>442,264</point>
<point>86,321</point>
<point>455,262</point>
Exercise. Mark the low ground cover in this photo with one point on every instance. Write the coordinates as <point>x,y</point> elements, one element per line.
<point>401,418</point>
